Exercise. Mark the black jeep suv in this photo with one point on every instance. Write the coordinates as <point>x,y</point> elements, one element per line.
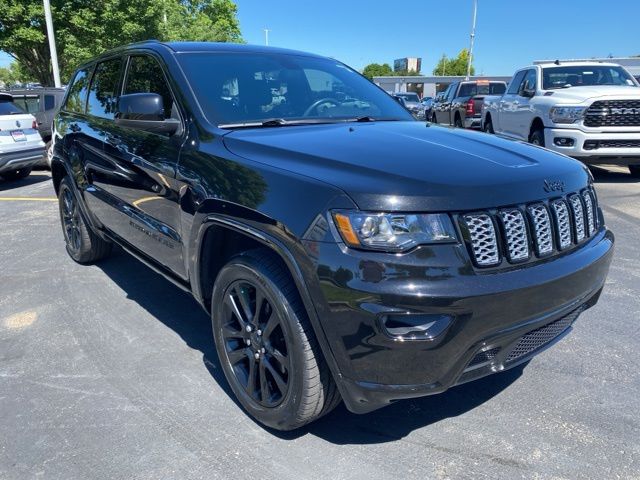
<point>344,250</point>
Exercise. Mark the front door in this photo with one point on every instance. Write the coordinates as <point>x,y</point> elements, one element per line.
<point>135,188</point>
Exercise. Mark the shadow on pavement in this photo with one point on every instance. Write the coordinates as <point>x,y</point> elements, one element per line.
<point>32,179</point>
<point>180,312</point>
<point>603,175</point>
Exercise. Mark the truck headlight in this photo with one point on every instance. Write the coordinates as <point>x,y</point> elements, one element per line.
<point>393,232</point>
<point>566,114</point>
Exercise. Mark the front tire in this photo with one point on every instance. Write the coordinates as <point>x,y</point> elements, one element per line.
<point>82,244</point>
<point>17,174</point>
<point>537,138</point>
<point>266,345</point>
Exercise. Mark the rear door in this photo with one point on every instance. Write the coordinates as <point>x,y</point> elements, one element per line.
<point>136,184</point>
<point>508,107</point>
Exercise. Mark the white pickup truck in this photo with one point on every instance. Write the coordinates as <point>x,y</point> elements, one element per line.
<point>587,110</point>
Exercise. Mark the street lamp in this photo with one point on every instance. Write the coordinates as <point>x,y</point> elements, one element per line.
<point>473,34</point>
<point>52,44</point>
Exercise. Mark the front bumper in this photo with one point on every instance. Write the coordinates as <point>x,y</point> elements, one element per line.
<point>616,155</point>
<point>491,312</point>
<point>20,159</point>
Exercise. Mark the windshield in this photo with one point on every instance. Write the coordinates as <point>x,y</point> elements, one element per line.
<point>250,88</point>
<point>409,97</point>
<point>472,89</point>
<point>582,76</point>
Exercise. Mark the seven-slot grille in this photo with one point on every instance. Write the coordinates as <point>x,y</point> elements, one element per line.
<point>613,113</point>
<point>540,228</point>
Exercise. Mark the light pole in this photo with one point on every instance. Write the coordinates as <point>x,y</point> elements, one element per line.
<point>266,36</point>
<point>473,34</point>
<point>52,44</point>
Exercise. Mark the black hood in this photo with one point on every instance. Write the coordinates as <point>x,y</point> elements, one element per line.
<point>412,166</point>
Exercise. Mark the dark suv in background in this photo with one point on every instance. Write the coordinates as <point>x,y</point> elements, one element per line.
<point>269,184</point>
<point>461,103</point>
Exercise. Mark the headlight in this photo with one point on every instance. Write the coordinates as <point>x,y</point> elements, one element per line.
<point>566,114</point>
<point>393,231</point>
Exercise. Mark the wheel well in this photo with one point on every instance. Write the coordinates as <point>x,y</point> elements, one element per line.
<point>219,245</point>
<point>536,125</point>
<point>487,118</point>
<point>57,174</point>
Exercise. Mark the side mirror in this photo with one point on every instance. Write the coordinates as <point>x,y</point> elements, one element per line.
<point>144,111</point>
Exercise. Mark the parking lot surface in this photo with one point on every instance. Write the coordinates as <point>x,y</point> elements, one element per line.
<point>109,372</point>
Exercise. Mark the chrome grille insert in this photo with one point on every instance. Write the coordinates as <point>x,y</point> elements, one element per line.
<point>541,229</point>
<point>516,234</point>
<point>578,215</point>
<point>589,207</point>
<point>563,224</point>
<point>484,243</point>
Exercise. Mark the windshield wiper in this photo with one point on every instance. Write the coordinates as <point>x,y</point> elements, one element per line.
<point>279,122</point>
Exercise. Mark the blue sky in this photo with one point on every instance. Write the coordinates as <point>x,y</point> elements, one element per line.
<point>509,34</point>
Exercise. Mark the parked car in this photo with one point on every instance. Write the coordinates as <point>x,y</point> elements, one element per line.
<point>587,110</point>
<point>21,147</point>
<point>412,103</point>
<point>42,103</point>
<point>333,267</point>
<point>461,104</point>
<point>427,103</point>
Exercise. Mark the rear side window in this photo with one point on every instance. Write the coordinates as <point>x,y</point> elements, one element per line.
<point>103,94</point>
<point>7,107</point>
<point>77,98</point>
<point>49,102</point>
<point>30,104</point>
<point>514,86</point>
<point>144,75</point>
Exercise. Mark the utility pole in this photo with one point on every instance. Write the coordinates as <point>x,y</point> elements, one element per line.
<point>52,44</point>
<point>473,34</point>
<point>444,63</point>
<point>266,36</point>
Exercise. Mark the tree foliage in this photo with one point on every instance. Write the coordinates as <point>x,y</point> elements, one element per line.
<point>377,70</point>
<point>13,75</point>
<point>86,28</point>
<point>454,66</point>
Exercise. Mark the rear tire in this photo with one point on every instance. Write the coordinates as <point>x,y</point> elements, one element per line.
<point>434,119</point>
<point>537,138</point>
<point>488,126</point>
<point>17,174</point>
<point>457,122</point>
<point>634,170</point>
<point>82,244</point>
<point>266,345</point>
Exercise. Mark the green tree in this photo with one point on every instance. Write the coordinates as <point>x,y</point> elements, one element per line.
<point>454,66</point>
<point>86,28</point>
<point>377,70</point>
<point>13,75</point>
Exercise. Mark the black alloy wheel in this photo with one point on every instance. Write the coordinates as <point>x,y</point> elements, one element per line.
<point>255,344</point>
<point>70,220</point>
<point>266,345</point>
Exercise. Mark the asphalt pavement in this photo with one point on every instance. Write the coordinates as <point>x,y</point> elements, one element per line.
<point>109,372</point>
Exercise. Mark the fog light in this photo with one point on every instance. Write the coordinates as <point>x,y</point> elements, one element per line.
<point>564,141</point>
<point>412,326</point>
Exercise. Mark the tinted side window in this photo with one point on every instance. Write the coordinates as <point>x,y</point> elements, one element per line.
<point>514,86</point>
<point>77,98</point>
<point>103,94</point>
<point>49,102</point>
<point>145,76</point>
<point>452,92</point>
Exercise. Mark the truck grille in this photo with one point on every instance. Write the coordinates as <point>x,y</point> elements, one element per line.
<point>542,228</point>
<point>596,144</point>
<point>613,113</point>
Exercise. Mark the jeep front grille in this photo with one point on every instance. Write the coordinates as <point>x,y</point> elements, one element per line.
<point>542,228</point>
<point>613,113</point>
<point>483,233</point>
